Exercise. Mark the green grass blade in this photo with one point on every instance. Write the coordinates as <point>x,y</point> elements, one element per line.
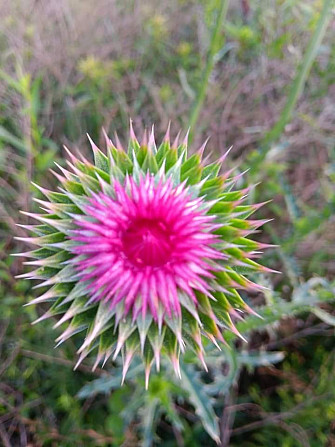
<point>9,138</point>
<point>302,74</point>
<point>201,94</point>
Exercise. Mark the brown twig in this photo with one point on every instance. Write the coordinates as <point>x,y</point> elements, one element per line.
<point>60,361</point>
<point>296,431</point>
<point>276,417</point>
<point>4,436</point>
<point>227,418</point>
<point>321,327</point>
<point>9,360</point>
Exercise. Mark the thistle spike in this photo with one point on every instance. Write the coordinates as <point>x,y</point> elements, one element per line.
<point>107,139</point>
<point>176,141</point>
<point>185,141</point>
<point>70,154</point>
<point>200,355</point>
<point>131,132</point>
<point>45,316</point>
<point>97,361</point>
<point>44,191</point>
<point>176,366</point>
<point>167,134</point>
<point>203,147</point>
<point>58,176</point>
<point>151,143</point>
<point>147,375</point>
<point>144,141</point>
<point>119,146</point>
<point>94,147</point>
<point>225,155</point>
<point>126,364</point>
<point>263,245</point>
<point>67,174</point>
<point>257,206</point>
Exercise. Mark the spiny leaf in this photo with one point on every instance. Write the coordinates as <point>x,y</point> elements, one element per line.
<point>201,401</point>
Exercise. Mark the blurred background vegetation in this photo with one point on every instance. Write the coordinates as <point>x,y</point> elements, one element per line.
<point>258,75</point>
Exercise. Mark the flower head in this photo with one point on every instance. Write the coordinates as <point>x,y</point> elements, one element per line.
<point>142,251</point>
<point>139,247</point>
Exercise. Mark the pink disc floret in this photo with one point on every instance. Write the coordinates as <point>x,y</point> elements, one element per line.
<point>145,244</point>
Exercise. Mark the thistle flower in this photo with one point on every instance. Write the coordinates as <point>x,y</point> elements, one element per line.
<point>142,251</point>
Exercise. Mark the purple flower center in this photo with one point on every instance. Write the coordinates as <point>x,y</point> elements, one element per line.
<point>147,242</point>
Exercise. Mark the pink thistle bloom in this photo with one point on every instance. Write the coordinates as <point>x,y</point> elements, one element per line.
<point>142,246</point>
<point>143,250</point>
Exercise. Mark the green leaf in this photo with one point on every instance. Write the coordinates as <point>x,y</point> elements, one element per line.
<point>150,412</point>
<point>201,401</point>
<point>262,358</point>
<point>222,383</point>
<point>105,384</point>
<point>324,316</point>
